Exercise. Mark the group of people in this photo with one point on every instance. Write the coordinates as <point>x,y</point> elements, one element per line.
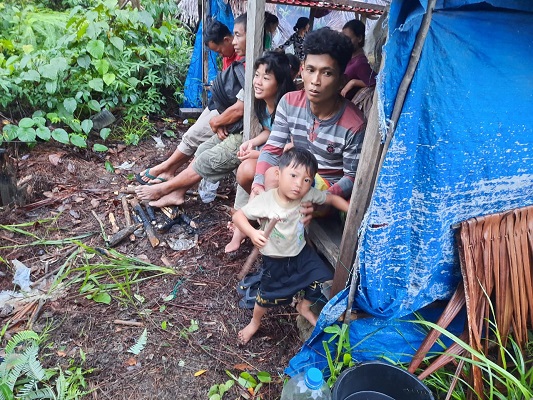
<point>306,153</point>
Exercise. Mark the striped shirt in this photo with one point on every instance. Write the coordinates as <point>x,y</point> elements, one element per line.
<point>336,143</point>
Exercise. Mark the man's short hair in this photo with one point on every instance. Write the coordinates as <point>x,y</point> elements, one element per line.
<point>327,41</point>
<point>298,156</point>
<point>241,19</point>
<point>215,32</point>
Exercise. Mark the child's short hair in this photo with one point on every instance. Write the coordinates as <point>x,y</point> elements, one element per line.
<point>297,156</point>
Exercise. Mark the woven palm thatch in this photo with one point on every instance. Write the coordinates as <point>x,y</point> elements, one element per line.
<point>496,253</point>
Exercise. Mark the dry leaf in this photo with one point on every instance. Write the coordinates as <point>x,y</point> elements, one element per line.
<point>48,194</point>
<point>75,214</point>
<point>79,199</point>
<point>251,390</point>
<point>71,168</point>
<point>131,361</point>
<point>166,261</point>
<point>55,159</point>
<point>198,373</point>
<point>61,353</point>
<point>242,367</point>
<point>95,203</point>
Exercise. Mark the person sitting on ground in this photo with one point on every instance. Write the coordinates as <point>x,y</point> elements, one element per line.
<point>271,82</point>
<point>211,121</point>
<point>271,24</point>
<point>297,38</point>
<point>218,156</point>
<point>218,38</point>
<point>289,264</point>
<point>358,71</point>
<point>318,118</point>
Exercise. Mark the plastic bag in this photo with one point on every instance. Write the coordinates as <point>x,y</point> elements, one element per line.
<point>208,190</point>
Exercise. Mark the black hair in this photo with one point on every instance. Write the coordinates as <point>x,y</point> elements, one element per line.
<point>270,19</point>
<point>277,64</point>
<point>357,27</point>
<point>294,63</point>
<point>215,32</point>
<point>241,19</point>
<point>330,42</point>
<point>298,156</point>
<point>300,24</point>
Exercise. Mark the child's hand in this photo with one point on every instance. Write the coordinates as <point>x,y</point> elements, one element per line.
<point>259,239</point>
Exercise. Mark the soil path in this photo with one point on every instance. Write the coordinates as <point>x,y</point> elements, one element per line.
<point>192,317</point>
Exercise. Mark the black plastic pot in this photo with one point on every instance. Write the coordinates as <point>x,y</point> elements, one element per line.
<point>377,380</point>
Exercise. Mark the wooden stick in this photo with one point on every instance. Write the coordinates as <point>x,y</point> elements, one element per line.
<point>104,236</point>
<point>126,209</point>
<point>127,323</point>
<point>148,228</point>
<point>122,234</point>
<point>255,252</point>
<point>193,193</point>
<point>113,221</point>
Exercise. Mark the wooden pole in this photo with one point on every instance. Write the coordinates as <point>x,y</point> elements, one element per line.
<point>371,162</point>
<point>255,252</point>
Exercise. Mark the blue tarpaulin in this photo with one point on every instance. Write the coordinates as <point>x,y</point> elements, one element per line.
<point>463,147</point>
<point>194,84</point>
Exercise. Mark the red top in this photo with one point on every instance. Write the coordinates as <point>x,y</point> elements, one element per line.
<point>226,61</point>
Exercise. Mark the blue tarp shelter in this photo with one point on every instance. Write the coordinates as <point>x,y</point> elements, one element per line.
<point>463,147</point>
<point>194,84</point>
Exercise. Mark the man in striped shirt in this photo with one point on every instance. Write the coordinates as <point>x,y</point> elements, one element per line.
<point>318,118</point>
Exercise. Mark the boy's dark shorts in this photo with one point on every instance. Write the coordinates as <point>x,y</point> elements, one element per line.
<point>284,277</point>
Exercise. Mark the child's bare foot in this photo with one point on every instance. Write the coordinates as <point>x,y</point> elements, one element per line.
<point>172,199</point>
<point>236,241</point>
<point>153,192</point>
<point>249,330</point>
<point>304,309</point>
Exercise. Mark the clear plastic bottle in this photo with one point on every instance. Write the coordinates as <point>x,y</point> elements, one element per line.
<point>308,385</point>
<point>207,190</point>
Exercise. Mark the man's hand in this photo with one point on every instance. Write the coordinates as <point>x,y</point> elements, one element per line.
<point>222,133</point>
<point>307,208</point>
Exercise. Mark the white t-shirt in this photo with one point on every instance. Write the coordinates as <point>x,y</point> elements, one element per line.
<point>287,239</point>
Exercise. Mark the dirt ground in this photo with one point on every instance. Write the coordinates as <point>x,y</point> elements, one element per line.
<point>70,184</point>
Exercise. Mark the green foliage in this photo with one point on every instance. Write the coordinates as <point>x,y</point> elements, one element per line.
<point>22,375</point>
<point>140,344</point>
<point>72,64</point>
<point>342,358</point>
<point>193,327</point>
<point>510,378</point>
<point>133,130</point>
<point>248,385</point>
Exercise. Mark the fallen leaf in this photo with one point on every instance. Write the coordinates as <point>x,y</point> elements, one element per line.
<point>95,203</point>
<point>71,168</point>
<point>131,361</point>
<point>75,214</point>
<point>61,353</point>
<point>55,159</point>
<point>48,194</point>
<point>242,367</point>
<point>198,373</point>
<point>143,257</point>
<point>79,199</point>
<point>251,390</point>
<point>166,261</point>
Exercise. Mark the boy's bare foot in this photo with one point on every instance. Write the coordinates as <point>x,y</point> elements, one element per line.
<point>304,309</point>
<point>171,199</point>
<point>249,330</point>
<point>236,241</point>
<point>153,192</point>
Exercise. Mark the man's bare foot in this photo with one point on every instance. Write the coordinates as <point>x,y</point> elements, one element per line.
<point>236,241</point>
<point>304,309</point>
<point>153,192</point>
<point>248,331</point>
<point>156,174</point>
<point>171,199</point>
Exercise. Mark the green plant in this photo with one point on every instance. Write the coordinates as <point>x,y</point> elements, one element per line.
<point>75,63</point>
<point>248,385</point>
<point>22,375</point>
<point>342,358</point>
<point>193,327</point>
<point>132,131</point>
<point>510,378</point>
